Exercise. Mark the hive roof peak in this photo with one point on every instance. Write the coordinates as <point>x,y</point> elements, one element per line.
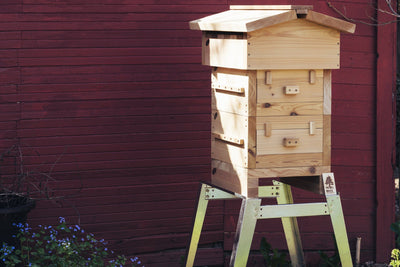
<point>249,18</point>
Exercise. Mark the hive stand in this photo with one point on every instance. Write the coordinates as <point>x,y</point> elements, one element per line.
<point>251,210</point>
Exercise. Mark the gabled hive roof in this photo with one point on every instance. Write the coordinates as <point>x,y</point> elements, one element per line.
<point>251,18</point>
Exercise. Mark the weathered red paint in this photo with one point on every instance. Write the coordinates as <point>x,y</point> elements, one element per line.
<point>385,136</point>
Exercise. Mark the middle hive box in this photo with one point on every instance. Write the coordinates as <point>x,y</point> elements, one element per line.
<point>269,123</point>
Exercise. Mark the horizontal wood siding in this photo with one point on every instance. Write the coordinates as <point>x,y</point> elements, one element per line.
<point>111,95</point>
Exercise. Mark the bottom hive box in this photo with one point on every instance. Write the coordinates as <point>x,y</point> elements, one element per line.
<point>245,181</point>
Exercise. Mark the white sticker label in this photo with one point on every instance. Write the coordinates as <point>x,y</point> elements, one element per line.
<point>329,184</point>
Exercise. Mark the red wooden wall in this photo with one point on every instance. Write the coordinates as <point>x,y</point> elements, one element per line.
<point>113,92</point>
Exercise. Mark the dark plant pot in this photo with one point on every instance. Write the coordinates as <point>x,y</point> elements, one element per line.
<point>14,209</point>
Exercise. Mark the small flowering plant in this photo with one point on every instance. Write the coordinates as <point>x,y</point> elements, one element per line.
<point>61,245</point>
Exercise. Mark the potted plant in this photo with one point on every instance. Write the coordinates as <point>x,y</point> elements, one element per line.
<point>19,190</point>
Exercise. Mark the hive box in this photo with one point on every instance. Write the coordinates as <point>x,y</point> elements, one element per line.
<point>271,92</point>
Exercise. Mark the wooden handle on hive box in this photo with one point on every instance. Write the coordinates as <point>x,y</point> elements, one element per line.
<point>291,142</point>
<point>292,90</point>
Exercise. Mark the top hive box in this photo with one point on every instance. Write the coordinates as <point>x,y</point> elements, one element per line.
<point>271,37</point>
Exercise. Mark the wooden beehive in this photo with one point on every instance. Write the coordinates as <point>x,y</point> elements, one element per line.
<point>271,92</point>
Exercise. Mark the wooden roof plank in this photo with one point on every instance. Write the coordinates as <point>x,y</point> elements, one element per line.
<point>251,18</point>
<point>270,7</point>
<point>242,20</point>
<point>331,22</point>
<point>272,20</point>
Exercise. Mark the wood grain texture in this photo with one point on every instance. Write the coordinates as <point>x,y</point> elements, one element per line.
<point>331,22</point>
<point>237,20</point>
<point>277,47</point>
<point>274,91</point>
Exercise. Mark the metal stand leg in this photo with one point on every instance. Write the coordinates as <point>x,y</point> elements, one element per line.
<point>290,227</point>
<point>339,228</point>
<point>198,225</point>
<point>337,218</point>
<point>245,231</point>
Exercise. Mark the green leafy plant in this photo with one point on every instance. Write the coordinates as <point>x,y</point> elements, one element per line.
<point>395,258</point>
<point>60,246</point>
<point>331,261</point>
<point>272,257</point>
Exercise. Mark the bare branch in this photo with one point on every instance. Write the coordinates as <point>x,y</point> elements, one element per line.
<point>391,12</point>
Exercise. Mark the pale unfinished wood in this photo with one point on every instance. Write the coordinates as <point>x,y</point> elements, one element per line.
<point>245,18</point>
<point>236,127</point>
<point>230,153</point>
<point>312,76</point>
<point>286,172</point>
<point>311,183</point>
<point>268,129</point>
<point>271,92</point>
<point>232,89</point>
<point>297,44</point>
<point>292,90</point>
<point>227,176</point>
<point>289,109</point>
<point>228,138</point>
<point>233,178</point>
<point>275,91</point>
<point>327,140</point>
<point>329,21</point>
<point>230,78</point>
<point>268,77</point>
<point>270,7</point>
<point>312,128</point>
<point>289,160</point>
<point>230,103</point>
<point>244,103</point>
<point>246,181</point>
<point>278,142</point>
<point>252,144</point>
<point>205,50</point>
<point>291,142</point>
<point>289,122</point>
<point>230,124</point>
<point>220,51</point>
<point>327,92</point>
<point>242,20</point>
